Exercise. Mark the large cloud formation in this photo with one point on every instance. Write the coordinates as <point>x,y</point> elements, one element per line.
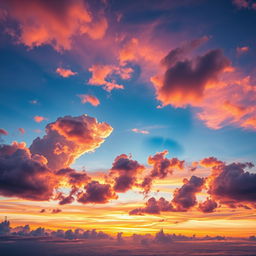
<point>206,83</point>
<point>68,138</point>
<point>47,22</point>
<point>233,184</point>
<point>23,174</point>
<point>184,198</point>
<point>184,81</point>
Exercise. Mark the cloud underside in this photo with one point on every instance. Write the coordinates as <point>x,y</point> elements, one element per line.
<point>42,170</point>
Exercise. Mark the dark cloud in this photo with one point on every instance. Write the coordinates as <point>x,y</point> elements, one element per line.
<point>185,197</point>
<point>74,177</point>
<point>184,81</point>
<point>161,167</point>
<point>97,193</point>
<point>233,183</point>
<point>24,175</point>
<point>124,171</point>
<point>208,206</point>
<point>154,206</point>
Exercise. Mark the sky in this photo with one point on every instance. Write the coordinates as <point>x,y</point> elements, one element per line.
<point>129,116</point>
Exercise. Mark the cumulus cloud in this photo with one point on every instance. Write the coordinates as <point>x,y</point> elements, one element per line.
<point>104,75</point>
<point>232,183</point>
<point>68,138</point>
<point>210,162</point>
<point>23,174</point>
<point>97,193</point>
<point>41,22</point>
<point>185,197</point>
<point>206,82</point>
<point>94,101</point>
<point>208,205</point>
<point>74,177</point>
<point>161,167</point>
<point>154,206</point>
<point>65,72</point>
<point>184,81</point>
<point>124,171</point>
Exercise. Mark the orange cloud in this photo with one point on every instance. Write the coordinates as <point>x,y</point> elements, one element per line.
<point>65,72</point>
<point>184,81</point>
<point>90,99</point>
<point>41,22</point>
<point>39,119</point>
<point>206,83</point>
<point>102,75</point>
<point>68,138</point>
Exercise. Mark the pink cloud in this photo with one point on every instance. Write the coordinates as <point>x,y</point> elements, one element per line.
<point>65,72</point>
<point>41,22</point>
<point>243,49</point>
<point>94,101</point>
<point>3,132</point>
<point>103,75</point>
<point>22,130</point>
<point>136,130</point>
<point>39,119</point>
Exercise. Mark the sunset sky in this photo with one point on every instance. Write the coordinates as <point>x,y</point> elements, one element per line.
<point>129,116</point>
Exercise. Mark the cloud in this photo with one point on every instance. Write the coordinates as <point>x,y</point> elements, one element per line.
<point>39,119</point>
<point>242,50</point>
<point>185,197</point>
<point>22,130</point>
<point>3,132</point>
<point>232,183</point>
<point>124,172</point>
<point>184,81</point>
<point>23,174</point>
<point>161,167</point>
<point>205,83</point>
<point>210,162</point>
<point>65,72</point>
<point>68,138</point>
<point>208,206</point>
<point>154,206</point>
<point>74,177</point>
<point>136,130</point>
<point>41,22</point>
<point>94,101</point>
<point>104,75</point>
<point>57,210</point>
<point>97,193</point>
